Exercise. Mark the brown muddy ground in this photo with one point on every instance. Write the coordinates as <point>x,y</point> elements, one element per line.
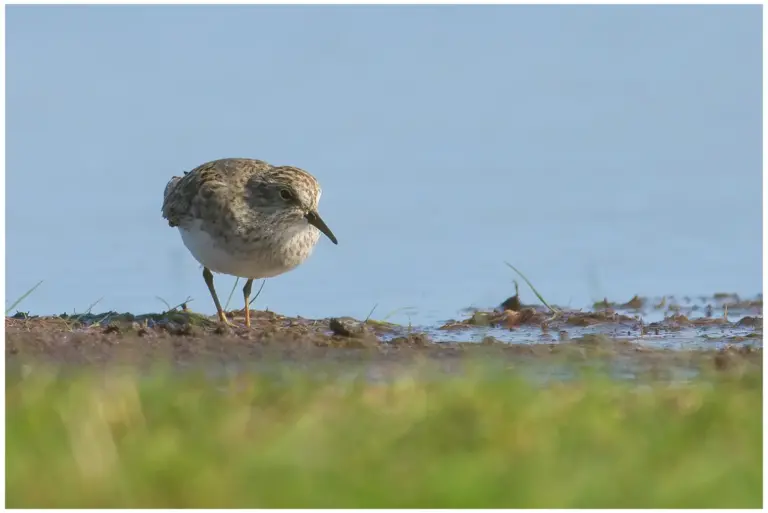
<point>184,338</point>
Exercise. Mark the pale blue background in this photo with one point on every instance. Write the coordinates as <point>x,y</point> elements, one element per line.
<point>605,151</point>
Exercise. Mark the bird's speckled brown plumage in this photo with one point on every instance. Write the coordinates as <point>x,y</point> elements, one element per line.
<point>222,187</point>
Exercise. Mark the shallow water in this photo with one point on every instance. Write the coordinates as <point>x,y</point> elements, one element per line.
<point>710,337</point>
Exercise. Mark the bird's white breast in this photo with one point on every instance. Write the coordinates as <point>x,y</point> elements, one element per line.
<point>257,261</point>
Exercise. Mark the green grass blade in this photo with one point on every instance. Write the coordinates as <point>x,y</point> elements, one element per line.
<point>226,306</point>
<point>88,311</point>
<point>257,292</point>
<point>370,313</point>
<point>544,302</point>
<point>166,303</point>
<point>23,297</point>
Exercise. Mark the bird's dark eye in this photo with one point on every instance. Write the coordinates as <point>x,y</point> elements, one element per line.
<point>286,194</point>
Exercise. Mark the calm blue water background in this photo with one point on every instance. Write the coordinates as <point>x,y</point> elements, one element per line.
<point>605,151</point>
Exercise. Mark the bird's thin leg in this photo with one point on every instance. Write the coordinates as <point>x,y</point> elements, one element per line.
<point>247,296</point>
<point>208,277</point>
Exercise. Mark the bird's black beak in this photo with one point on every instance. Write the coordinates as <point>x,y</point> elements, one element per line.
<point>315,220</point>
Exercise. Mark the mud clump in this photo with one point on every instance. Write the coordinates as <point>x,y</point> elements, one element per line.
<point>752,322</point>
<point>505,319</point>
<point>636,303</point>
<point>347,328</point>
<point>513,303</point>
<point>592,318</point>
<point>412,340</point>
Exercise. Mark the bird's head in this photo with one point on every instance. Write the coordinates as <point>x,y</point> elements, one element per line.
<point>288,195</point>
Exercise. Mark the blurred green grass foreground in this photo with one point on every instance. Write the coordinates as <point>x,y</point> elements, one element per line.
<point>170,439</point>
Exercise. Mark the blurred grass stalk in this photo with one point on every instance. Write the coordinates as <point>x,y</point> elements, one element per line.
<point>88,439</point>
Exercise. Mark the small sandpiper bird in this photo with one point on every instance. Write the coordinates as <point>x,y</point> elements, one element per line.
<point>245,218</point>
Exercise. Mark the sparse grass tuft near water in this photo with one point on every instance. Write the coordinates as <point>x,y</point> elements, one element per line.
<point>80,438</point>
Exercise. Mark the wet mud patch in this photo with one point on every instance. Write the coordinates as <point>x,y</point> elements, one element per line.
<point>707,322</point>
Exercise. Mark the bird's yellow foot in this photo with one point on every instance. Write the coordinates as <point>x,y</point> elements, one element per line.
<point>223,318</point>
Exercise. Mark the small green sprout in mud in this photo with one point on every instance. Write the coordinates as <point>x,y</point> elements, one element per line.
<point>513,303</point>
<point>543,301</point>
<point>88,310</point>
<point>383,323</point>
<point>71,321</point>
